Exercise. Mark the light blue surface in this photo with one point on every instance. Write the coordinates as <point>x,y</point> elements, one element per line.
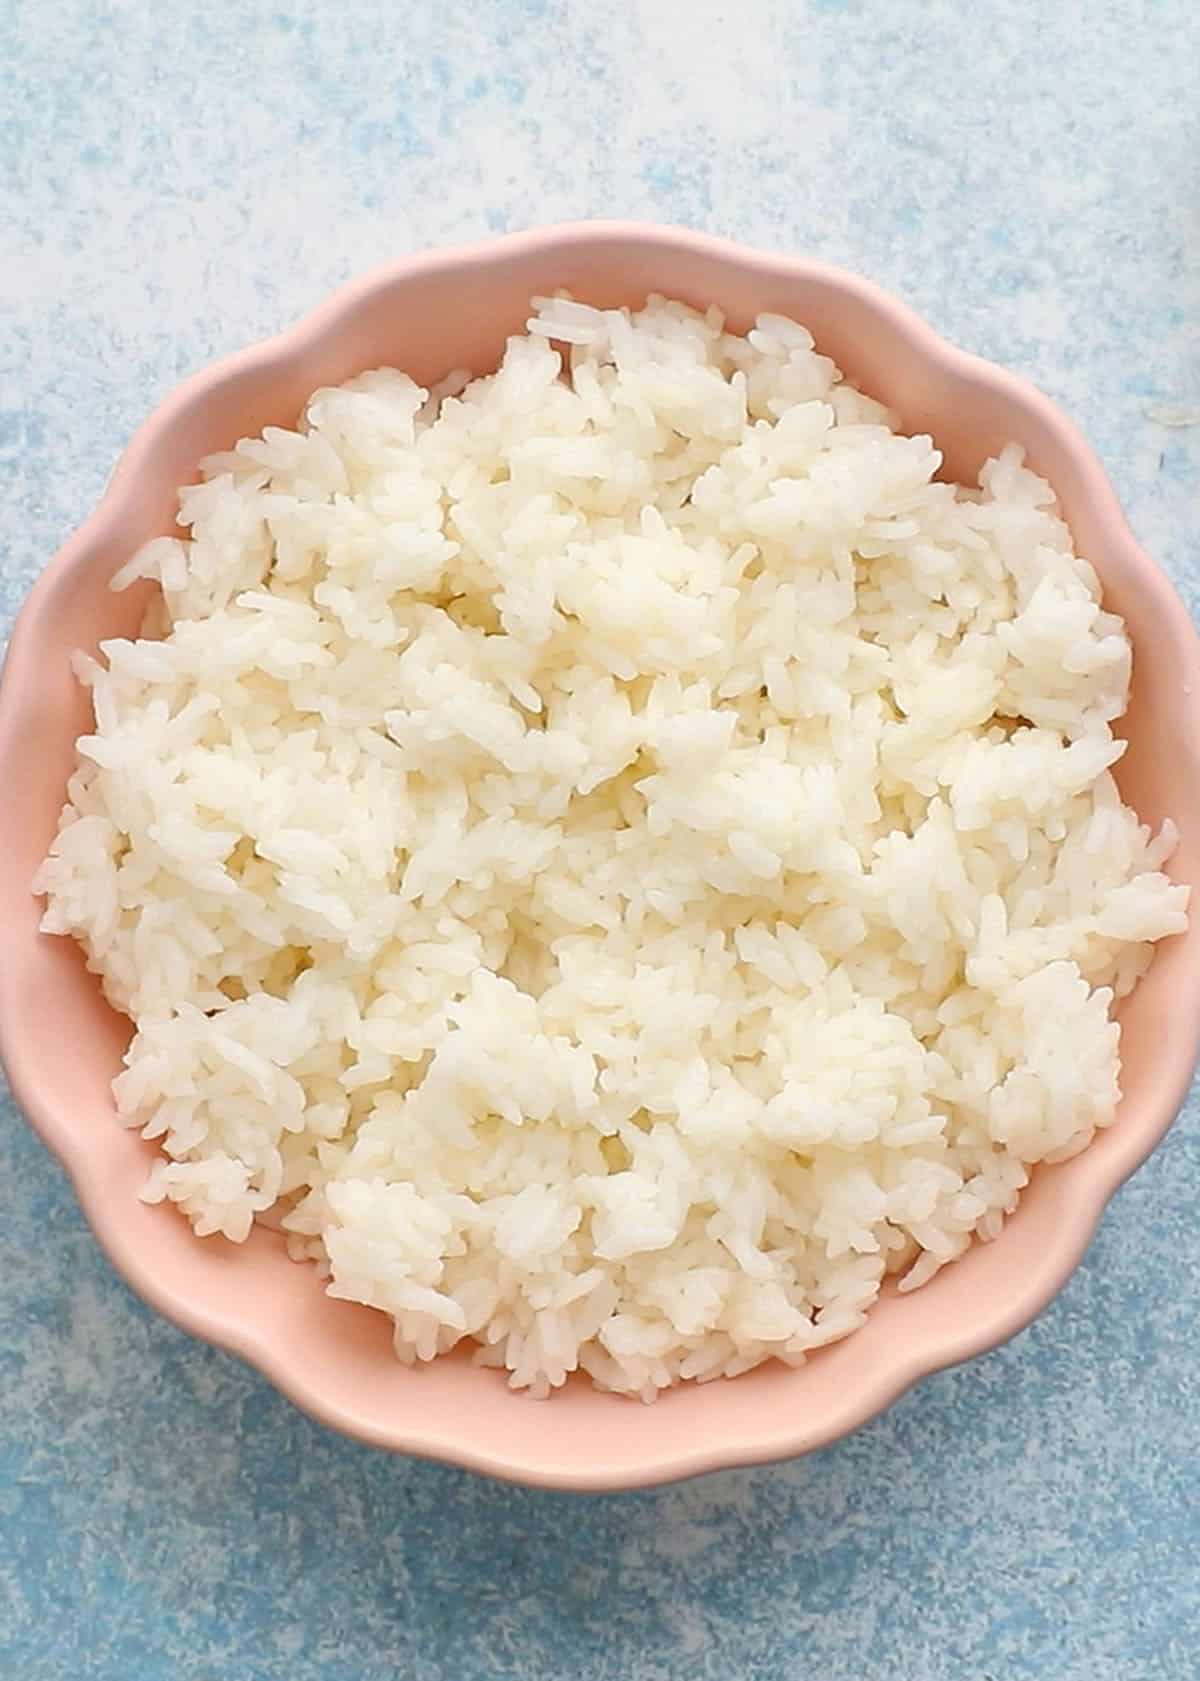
<point>178,179</point>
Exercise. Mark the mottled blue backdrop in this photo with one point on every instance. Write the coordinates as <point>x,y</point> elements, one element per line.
<point>178,179</point>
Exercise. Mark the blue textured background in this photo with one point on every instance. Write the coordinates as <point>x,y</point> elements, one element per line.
<point>178,179</point>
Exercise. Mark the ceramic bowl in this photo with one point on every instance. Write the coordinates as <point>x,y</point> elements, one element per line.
<point>62,1045</point>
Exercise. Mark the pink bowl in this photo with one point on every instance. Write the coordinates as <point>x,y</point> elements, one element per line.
<point>62,1045</point>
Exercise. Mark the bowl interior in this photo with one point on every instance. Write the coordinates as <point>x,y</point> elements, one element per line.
<point>455,310</point>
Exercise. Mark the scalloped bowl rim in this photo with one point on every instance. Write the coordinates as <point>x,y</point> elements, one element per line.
<point>1095,1175</point>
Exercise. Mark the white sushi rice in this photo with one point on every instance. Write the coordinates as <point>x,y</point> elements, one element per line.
<point>616,861</point>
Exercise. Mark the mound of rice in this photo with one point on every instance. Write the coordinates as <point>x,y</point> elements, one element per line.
<point>612,858</point>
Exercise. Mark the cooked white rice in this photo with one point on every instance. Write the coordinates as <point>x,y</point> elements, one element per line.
<point>616,861</point>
